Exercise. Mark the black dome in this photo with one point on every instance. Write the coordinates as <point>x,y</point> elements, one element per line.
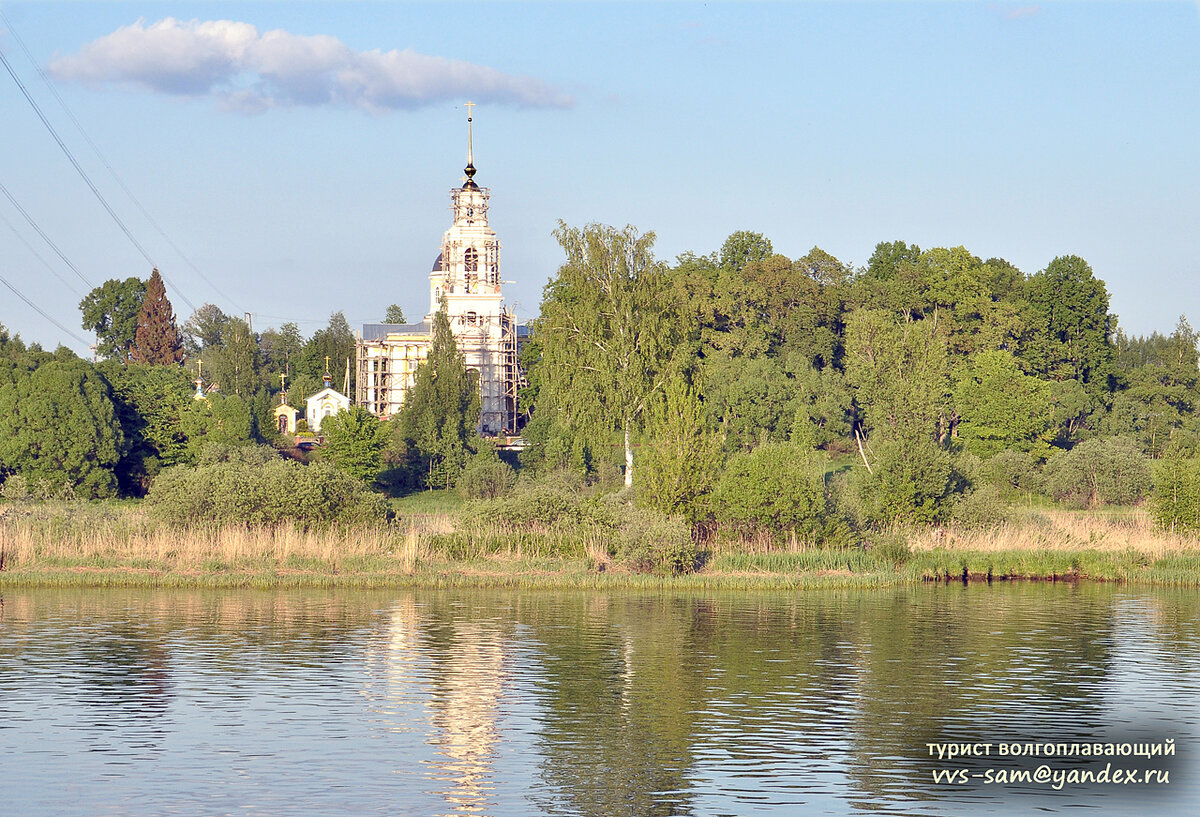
<point>437,264</point>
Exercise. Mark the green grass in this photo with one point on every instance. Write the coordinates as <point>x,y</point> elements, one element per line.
<point>424,502</point>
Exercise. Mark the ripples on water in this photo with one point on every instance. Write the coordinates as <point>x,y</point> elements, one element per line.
<point>524,703</point>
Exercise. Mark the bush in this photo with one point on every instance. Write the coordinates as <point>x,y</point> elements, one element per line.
<point>649,541</point>
<point>777,487</point>
<point>966,470</point>
<point>242,454</point>
<point>15,488</point>
<point>237,491</point>
<point>1177,494</point>
<point>1011,471</point>
<point>911,483</point>
<point>486,476</point>
<point>1101,471</point>
<point>979,508</point>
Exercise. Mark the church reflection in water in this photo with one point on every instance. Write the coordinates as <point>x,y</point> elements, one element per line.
<point>443,681</point>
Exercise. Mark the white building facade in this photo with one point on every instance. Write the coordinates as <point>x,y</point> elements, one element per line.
<point>466,277</point>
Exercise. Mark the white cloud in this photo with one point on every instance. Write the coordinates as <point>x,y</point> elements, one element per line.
<point>248,71</point>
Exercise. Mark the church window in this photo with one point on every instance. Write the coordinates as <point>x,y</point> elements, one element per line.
<point>472,318</point>
<point>471,259</point>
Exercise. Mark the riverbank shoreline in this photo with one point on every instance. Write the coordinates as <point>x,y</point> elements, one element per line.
<point>76,544</point>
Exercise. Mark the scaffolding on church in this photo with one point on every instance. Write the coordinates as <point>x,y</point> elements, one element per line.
<point>512,373</point>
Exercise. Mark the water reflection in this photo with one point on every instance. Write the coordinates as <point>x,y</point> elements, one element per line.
<point>492,703</point>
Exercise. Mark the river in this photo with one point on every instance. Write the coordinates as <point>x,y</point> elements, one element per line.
<point>425,702</point>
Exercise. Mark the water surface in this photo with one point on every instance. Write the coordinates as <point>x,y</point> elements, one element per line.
<point>116,702</point>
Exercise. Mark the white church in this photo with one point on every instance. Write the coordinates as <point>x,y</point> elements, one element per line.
<point>466,275</point>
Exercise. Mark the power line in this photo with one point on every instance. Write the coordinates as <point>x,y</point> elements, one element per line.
<point>45,263</point>
<point>83,175</point>
<point>40,311</point>
<point>45,237</point>
<point>82,132</point>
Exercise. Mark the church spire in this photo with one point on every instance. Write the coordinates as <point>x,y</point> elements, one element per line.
<point>470,168</point>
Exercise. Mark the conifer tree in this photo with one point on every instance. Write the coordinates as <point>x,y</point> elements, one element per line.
<point>157,338</point>
<point>441,413</point>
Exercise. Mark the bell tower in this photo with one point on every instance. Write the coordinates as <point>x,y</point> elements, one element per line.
<point>467,272</point>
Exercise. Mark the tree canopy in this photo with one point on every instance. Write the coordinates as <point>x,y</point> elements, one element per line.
<point>440,414</point>
<point>58,427</point>
<point>111,311</point>
<point>156,339</point>
<point>607,333</point>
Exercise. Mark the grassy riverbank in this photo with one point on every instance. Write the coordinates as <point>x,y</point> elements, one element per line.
<point>118,544</point>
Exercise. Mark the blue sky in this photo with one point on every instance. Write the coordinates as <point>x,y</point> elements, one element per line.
<point>1019,131</point>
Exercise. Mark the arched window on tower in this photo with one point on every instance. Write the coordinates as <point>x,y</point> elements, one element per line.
<point>471,265</point>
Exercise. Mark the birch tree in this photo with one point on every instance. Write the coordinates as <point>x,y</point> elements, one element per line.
<point>608,330</point>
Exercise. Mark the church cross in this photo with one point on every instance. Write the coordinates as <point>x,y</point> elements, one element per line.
<point>470,105</point>
<point>282,378</point>
<point>326,364</point>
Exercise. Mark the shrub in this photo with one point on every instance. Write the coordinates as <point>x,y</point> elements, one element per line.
<point>650,541</point>
<point>1177,494</point>
<point>1101,471</point>
<point>777,487</point>
<point>235,491</point>
<point>979,507</point>
<point>243,454</point>
<point>15,487</point>
<point>911,482</point>
<point>966,470</point>
<point>486,476</point>
<point>1011,471</point>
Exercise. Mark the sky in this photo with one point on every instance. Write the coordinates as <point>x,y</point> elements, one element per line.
<point>291,160</point>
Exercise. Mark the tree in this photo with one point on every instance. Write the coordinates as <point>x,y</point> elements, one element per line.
<point>1100,471</point>
<point>440,414</point>
<point>280,349</point>
<point>149,403</point>
<point>335,341</point>
<point>58,427</point>
<point>156,340</point>
<point>778,488</point>
<point>900,371</point>
<point>234,364</point>
<point>608,330</point>
<point>217,418</point>
<point>750,401</point>
<point>1177,494</point>
<point>910,482</point>
<point>394,315</point>
<point>683,456</point>
<point>1068,311</point>
<point>111,311</point>
<point>354,441</point>
<point>16,361</point>
<point>1158,388</point>
<point>1001,408</point>
<point>744,247</point>
<point>204,329</point>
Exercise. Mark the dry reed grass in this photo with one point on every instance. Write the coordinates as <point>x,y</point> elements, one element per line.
<point>1062,530</point>
<point>78,535</point>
